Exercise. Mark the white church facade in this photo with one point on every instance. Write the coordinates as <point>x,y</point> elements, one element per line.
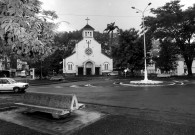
<point>87,57</point>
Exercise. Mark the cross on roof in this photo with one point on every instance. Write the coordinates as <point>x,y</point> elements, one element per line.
<point>87,20</point>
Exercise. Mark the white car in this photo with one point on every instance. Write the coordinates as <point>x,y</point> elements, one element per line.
<point>9,84</point>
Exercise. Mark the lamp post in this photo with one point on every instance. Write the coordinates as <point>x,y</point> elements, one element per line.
<point>140,11</point>
<point>41,69</point>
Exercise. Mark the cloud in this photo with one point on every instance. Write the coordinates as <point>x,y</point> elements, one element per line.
<point>49,4</point>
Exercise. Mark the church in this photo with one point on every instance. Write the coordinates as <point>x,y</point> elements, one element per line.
<point>87,57</point>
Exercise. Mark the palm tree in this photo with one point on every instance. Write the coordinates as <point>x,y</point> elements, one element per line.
<point>110,28</point>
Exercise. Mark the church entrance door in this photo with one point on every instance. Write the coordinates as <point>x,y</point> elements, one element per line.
<point>97,70</point>
<point>89,66</point>
<point>88,71</point>
<point>80,70</point>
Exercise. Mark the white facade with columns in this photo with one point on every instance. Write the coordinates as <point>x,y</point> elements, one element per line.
<point>87,57</point>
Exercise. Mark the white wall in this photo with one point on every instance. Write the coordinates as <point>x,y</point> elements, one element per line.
<point>193,67</point>
<point>1,66</point>
<point>80,57</point>
<point>180,67</point>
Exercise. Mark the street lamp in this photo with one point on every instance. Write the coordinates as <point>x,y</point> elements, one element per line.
<point>41,69</point>
<point>140,11</point>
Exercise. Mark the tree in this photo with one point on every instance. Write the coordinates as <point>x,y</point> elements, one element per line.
<point>24,27</point>
<point>130,52</point>
<point>171,22</point>
<point>103,39</point>
<point>110,28</point>
<point>67,39</point>
<point>51,63</point>
<point>64,44</point>
<point>56,59</point>
<point>166,60</point>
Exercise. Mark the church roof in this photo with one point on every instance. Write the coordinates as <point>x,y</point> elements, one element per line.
<point>88,27</point>
<point>106,54</point>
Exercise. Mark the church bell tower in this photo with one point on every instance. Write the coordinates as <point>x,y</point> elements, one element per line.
<point>88,30</point>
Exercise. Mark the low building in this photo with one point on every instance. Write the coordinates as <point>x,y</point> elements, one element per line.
<point>22,67</point>
<point>5,66</point>
<point>5,63</point>
<point>180,70</point>
<point>182,67</point>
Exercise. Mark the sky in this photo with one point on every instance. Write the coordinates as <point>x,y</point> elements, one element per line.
<point>102,12</point>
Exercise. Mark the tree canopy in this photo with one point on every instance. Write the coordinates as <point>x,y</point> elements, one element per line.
<point>166,60</point>
<point>173,23</point>
<point>130,52</point>
<point>24,27</point>
<point>110,29</point>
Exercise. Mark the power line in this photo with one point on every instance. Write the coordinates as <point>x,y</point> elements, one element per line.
<point>99,15</point>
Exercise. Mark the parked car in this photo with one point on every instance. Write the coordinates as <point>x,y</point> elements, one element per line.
<point>57,78</point>
<point>9,84</point>
<point>113,73</point>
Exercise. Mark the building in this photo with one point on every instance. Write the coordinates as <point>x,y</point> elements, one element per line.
<point>5,66</point>
<point>4,63</point>
<point>87,57</point>
<point>182,68</point>
<point>22,67</point>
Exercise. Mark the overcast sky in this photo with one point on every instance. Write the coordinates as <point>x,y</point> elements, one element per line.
<point>102,12</point>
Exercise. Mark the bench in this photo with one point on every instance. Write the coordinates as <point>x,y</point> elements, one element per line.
<point>58,105</point>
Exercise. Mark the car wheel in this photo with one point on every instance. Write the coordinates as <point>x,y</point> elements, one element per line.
<point>16,89</point>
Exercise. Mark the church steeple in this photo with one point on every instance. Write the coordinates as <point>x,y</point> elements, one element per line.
<point>88,30</point>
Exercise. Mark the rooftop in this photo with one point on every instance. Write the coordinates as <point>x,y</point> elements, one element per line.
<point>88,27</point>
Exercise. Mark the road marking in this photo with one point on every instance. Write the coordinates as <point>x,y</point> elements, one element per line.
<point>74,86</point>
<point>43,87</point>
<point>58,87</point>
<point>89,85</point>
<point>179,82</point>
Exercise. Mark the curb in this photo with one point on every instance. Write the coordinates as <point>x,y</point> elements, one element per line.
<point>53,82</point>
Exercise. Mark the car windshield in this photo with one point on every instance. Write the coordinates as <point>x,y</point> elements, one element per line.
<point>12,81</point>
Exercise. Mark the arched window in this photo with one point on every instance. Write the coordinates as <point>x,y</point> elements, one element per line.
<point>106,66</point>
<point>70,66</point>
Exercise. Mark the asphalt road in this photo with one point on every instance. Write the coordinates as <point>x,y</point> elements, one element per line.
<point>161,110</point>
<point>178,98</point>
